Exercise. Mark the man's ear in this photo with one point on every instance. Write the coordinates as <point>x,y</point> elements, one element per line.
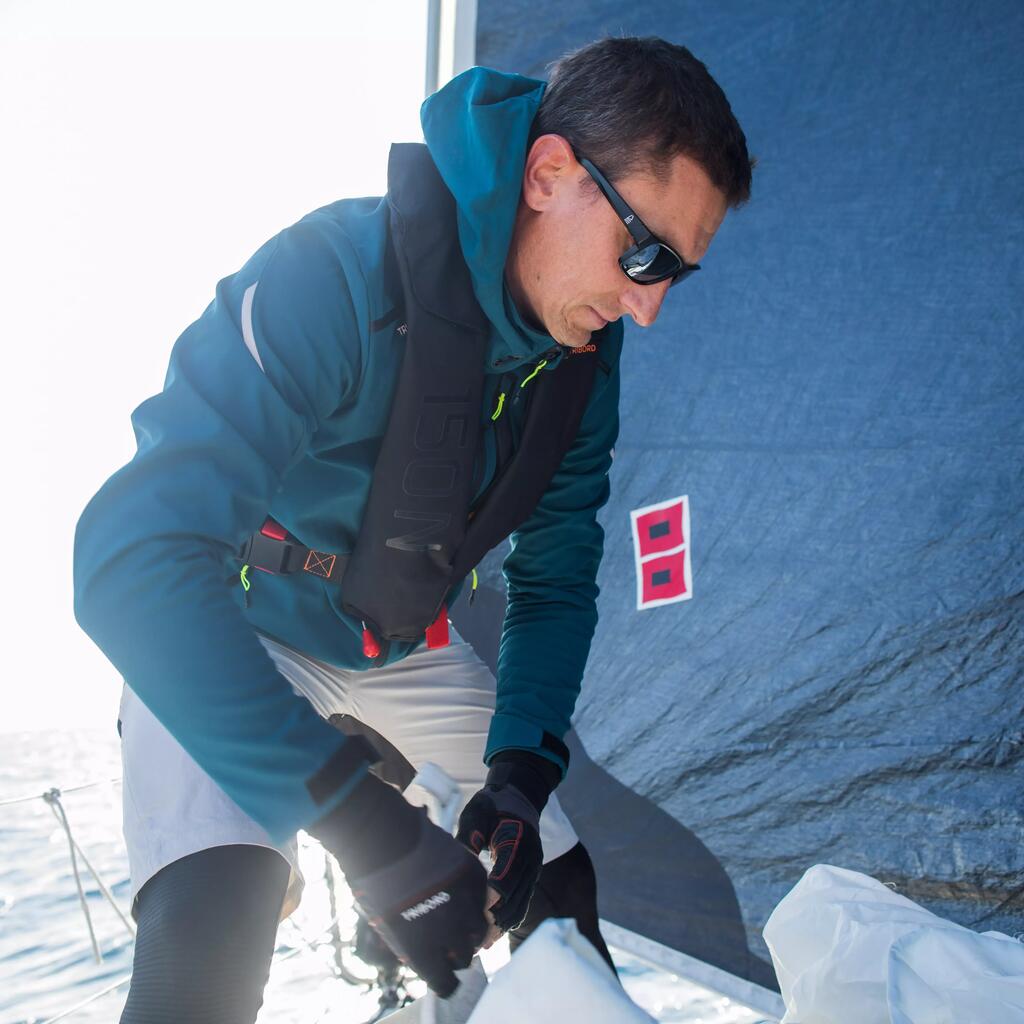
<point>550,166</point>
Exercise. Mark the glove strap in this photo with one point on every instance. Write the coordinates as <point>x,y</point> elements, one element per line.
<point>534,776</point>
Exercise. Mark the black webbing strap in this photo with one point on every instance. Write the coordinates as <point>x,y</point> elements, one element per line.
<point>284,557</point>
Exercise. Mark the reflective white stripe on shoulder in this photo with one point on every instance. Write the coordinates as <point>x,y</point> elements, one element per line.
<point>247,334</point>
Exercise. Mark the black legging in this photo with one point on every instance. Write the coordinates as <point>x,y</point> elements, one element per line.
<point>567,887</point>
<point>207,922</point>
<point>206,928</point>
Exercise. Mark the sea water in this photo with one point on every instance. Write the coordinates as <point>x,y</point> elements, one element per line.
<point>47,963</point>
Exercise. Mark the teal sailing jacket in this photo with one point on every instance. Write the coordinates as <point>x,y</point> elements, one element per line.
<point>275,403</point>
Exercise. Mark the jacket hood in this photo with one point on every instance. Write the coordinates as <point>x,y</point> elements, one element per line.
<point>476,129</point>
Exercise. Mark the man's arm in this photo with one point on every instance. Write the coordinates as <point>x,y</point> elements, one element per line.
<point>275,352</point>
<point>274,355</point>
<point>551,574</point>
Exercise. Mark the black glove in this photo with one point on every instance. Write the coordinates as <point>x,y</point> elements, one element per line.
<point>505,816</point>
<point>422,891</point>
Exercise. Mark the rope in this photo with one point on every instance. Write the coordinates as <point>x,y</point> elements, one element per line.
<point>71,789</point>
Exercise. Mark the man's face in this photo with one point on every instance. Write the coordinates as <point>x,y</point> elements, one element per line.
<point>563,268</point>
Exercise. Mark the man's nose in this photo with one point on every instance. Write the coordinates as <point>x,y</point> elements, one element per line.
<point>643,301</point>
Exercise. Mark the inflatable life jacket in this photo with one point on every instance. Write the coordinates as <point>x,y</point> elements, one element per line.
<point>421,532</point>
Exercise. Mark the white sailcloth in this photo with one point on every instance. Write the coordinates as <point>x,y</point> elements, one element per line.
<point>849,950</point>
<point>555,976</point>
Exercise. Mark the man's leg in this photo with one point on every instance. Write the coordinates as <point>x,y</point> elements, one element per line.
<point>206,927</point>
<point>172,808</point>
<point>567,887</point>
<point>208,886</point>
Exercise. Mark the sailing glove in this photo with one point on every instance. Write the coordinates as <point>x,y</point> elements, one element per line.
<point>504,817</point>
<point>421,890</point>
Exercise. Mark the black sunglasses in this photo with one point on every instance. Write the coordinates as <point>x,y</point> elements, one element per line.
<point>649,260</point>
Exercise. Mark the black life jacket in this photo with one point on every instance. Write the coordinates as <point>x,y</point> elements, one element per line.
<point>421,532</point>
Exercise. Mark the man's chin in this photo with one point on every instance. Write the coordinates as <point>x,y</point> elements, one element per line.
<point>581,336</point>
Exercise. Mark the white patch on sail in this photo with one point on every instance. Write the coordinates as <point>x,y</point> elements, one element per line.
<point>247,333</point>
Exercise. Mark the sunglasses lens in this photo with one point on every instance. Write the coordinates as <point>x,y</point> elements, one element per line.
<point>651,264</point>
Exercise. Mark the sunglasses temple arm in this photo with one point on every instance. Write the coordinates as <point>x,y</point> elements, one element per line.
<point>634,225</point>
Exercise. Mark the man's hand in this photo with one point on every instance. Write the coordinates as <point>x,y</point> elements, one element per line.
<point>504,817</point>
<point>422,891</point>
<point>428,907</point>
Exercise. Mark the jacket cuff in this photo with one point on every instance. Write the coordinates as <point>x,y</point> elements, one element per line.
<point>507,732</point>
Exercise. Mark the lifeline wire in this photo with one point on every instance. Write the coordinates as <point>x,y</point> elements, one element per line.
<point>70,789</point>
<point>85,1002</point>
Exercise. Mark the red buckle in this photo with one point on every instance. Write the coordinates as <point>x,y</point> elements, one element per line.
<point>273,529</point>
<point>437,631</point>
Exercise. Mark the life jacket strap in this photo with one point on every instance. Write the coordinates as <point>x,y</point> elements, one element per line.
<point>274,550</point>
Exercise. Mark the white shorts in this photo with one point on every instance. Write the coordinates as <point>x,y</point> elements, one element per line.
<point>434,705</point>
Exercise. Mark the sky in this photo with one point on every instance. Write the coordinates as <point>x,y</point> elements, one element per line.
<point>148,151</point>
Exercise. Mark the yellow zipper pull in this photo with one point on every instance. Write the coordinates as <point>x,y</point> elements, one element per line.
<point>540,366</point>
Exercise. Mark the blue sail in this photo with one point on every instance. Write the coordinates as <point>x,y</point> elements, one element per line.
<point>839,396</point>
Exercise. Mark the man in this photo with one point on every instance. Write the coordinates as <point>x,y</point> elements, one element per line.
<point>385,390</point>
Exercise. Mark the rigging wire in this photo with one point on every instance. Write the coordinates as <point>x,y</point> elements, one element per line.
<point>69,789</point>
<point>52,797</point>
<point>90,999</point>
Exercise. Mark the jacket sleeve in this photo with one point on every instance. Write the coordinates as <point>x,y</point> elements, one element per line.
<point>275,352</point>
<point>551,573</point>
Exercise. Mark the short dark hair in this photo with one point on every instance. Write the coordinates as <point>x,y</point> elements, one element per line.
<point>632,104</point>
